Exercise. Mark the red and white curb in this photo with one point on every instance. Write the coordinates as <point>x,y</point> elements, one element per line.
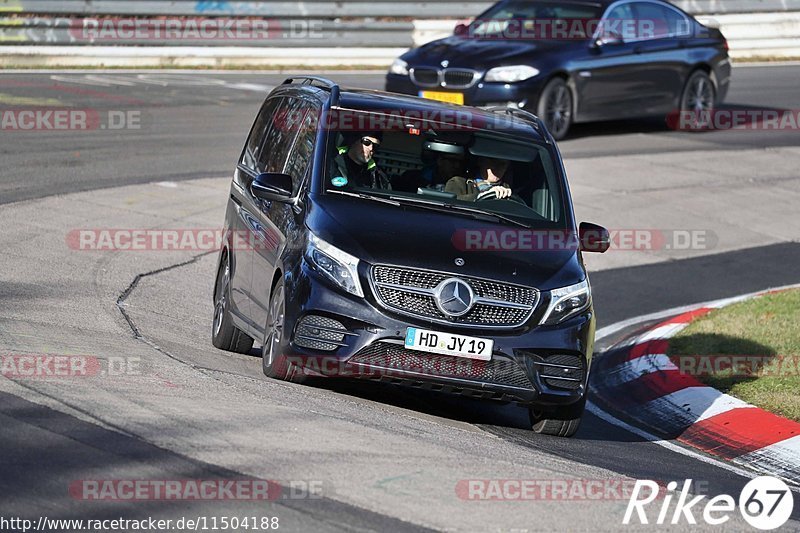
<point>636,379</point>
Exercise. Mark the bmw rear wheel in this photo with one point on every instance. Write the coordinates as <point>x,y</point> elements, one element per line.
<point>699,99</point>
<point>555,108</point>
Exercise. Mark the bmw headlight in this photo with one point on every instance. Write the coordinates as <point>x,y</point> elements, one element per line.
<point>399,67</point>
<point>511,73</point>
<point>338,266</point>
<point>567,302</point>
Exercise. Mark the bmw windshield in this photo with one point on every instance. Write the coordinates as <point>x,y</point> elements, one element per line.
<point>510,19</point>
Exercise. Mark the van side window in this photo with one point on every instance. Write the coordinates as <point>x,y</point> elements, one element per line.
<point>255,141</point>
<point>280,136</point>
<point>303,149</point>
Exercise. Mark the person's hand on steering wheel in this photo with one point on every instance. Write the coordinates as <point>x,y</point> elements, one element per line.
<point>501,192</point>
<point>495,194</point>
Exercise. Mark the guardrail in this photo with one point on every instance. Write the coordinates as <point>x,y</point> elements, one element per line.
<point>331,9</point>
<point>315,8</point>
<point>294,33</point>
<point>329,29</point>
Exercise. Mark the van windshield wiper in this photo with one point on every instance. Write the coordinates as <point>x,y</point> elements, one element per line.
<point>476,213</point>
<point>446,208</point>
<point>367,197</point>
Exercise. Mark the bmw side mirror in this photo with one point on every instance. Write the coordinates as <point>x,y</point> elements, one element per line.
<point>461,29</point>
<point>594,238</point>
<point>272,186</point>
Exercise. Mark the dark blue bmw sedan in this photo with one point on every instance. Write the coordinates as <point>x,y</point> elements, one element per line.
<point>574,61</point>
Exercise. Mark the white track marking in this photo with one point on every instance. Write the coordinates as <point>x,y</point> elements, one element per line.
<point>188,81</point>
<point>636,368</point>
<point>255,87</point>
<point>704,402</point>
<point>113,80</point>
<point>786,451</point>
<point>80,80</point>
<point>162,80</point>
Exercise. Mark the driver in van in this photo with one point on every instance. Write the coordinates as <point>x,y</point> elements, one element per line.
<point>490,181</point>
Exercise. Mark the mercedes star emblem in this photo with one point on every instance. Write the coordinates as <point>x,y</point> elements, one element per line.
<point>454,297</point>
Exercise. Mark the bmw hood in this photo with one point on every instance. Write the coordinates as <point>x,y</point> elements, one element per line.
<point>478,53</point>
<point>420,238</point>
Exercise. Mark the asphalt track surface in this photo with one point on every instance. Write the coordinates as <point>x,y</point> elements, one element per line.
<point>193,126</point>
<point>194,129</point>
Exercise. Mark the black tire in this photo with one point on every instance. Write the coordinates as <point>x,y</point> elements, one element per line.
<point>273,361</point>
<point>559,422</point>
<point>224,335</point>
<point>555,108</point>
<point>699,96</point>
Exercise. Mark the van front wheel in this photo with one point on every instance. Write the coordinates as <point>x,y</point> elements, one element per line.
<point>558,422</point>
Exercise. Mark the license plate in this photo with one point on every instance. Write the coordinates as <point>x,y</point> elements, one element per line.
<point>448,344</point>
<point>452,98</point>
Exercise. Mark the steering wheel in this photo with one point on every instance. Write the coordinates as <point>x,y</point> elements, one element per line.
<point>492,197</point>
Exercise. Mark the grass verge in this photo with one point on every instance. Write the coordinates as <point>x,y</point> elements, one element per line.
<point>765,331</point>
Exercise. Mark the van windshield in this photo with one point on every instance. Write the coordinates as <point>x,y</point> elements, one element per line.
<point>467,170</point>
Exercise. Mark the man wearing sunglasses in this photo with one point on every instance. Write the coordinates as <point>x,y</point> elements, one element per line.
<point>354,161</point>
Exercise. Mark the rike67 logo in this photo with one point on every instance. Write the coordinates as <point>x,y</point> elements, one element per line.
<point>766,503</point>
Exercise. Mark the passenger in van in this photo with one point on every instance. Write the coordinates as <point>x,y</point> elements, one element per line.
<point>490,181</point>
<point>354,161</point>
<point>440,169</point>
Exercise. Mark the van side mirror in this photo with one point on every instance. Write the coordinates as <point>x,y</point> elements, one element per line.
<point>594,238</point>
<point>272,186</point>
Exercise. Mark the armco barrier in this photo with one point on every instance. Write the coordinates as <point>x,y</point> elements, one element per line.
<point>332,9</point>
<point>295,33</point>
<point>313,8</point>
<point>332,31</point>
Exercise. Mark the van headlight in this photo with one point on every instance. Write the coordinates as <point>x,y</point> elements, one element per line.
<point>338,266</point>
<point>511,74</point>
<point>399,67</point>
<point>567,302</point>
